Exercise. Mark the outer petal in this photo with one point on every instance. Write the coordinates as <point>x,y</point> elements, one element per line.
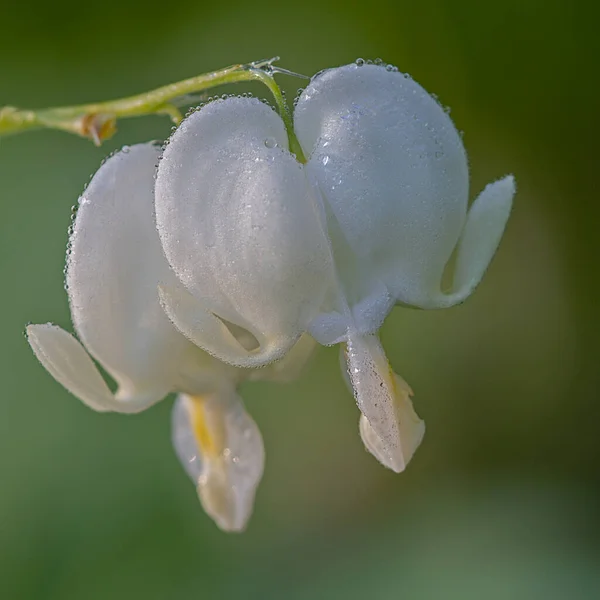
<point>240,229</point>
<point>221,449</point>
<point>392,167</point>
<point>390,428</point>
<point>114,267</point>
<point>479,240</point>
<point>68,362</point>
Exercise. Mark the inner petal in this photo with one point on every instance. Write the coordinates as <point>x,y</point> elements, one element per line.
<point>221,448</point>
<point>391,429</point>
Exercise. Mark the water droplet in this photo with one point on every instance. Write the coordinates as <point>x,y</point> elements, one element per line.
<point>359,62</point>
<point>378,62</point>
<point>391,68</point>
<point>325,160</point>
<point>270,142</point>
<point>318,74</point>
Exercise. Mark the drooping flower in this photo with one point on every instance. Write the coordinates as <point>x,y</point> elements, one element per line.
<point>114,266</point>
<point>370,220</point>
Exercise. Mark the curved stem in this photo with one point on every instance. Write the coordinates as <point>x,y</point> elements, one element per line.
<point>97,121</point>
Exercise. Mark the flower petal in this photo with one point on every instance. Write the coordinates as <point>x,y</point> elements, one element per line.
<point>114,266</point>
<point>480,238</point>
<point>222,451</point>
<point>390,428</point>
<point>65,358</point>
<point>68,362</point>
<point>204,329</point>
<point>393,170</point>
<point>240,228</point>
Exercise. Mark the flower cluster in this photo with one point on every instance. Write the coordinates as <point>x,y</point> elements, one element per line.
<point>233,254</point>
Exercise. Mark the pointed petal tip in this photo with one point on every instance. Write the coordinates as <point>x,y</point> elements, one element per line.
<point>228,514</point>
<point>395,458</point>
<point>499,192</point>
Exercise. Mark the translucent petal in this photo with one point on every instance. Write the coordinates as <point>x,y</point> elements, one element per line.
<point>114,267</point>
<point>479,240</point>
<point>391,166</point>
<point>239,226</point>
<point>222,451</point>
<point>68,362</point>
<point>390,428</point>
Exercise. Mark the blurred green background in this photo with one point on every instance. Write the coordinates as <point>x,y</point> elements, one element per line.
<point>501,501</point>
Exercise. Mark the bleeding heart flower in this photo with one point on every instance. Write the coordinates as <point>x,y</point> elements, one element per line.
<point>265,241</point>
<point>114,266</point>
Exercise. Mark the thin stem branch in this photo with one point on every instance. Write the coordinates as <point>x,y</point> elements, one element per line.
<point>98,121</point>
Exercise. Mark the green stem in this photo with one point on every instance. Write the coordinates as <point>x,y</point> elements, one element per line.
<point>97,121</point>
<point>286,115</point>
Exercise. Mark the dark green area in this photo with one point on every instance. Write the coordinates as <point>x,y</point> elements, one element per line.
<point>501,501</point>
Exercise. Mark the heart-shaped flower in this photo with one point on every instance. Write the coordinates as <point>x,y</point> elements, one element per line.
<point>114,266</point>
<point>263,242</point>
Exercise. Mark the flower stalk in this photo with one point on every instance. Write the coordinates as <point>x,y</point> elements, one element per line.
<point>98,121</point>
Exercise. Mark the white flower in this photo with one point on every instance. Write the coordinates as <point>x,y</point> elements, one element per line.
<point>371,220</point>
<point>114,266</point>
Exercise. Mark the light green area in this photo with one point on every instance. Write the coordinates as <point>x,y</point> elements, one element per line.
<point>500,502</point>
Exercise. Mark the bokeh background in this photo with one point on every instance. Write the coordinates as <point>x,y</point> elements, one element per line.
<point>501,501</point>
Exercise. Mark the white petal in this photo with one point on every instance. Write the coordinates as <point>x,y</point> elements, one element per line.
<point>114,267</point>
<point>206,330</point>
<point>240,228</point>
<point>222,451</point>
<point>390,428</point>
<point>68,362</point>
<point>393,170</point>
<point>480,238</point>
